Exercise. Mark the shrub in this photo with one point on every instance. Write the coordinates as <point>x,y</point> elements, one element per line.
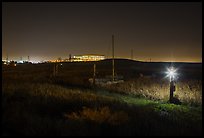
<point>101,115</point>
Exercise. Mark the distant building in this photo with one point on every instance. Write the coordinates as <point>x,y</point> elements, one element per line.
<point>76,58</point>
<point>88,57</point>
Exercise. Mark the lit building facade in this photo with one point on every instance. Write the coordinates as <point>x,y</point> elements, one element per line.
<point>90,57</point>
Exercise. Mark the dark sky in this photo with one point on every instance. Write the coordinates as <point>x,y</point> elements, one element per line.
<point>160,31</point>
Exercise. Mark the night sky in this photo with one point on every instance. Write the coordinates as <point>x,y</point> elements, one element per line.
<point>160,31</point>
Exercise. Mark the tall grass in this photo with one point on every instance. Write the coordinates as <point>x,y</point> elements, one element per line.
<point>188,91</point>
<point>48,109</point>
<point>34,103</point>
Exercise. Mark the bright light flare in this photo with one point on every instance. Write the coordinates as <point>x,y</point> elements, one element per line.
<point>171,73</point>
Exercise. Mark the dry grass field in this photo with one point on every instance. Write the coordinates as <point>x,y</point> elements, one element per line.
<point>34,103</point>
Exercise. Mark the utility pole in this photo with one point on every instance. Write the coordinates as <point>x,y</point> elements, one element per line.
<point>28,59</point>
<point>113,72</point>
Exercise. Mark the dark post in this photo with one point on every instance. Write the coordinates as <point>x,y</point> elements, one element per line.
<point>55,70</point>
<point>113,73</point>
<point>7,59</point>
<point>70,57</point>
<point>94,74</point>
<point>172,89</point>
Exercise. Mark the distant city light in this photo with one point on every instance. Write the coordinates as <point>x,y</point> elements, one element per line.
<point>34,62</point>
<point>91,57</point>
<point>20,61</point>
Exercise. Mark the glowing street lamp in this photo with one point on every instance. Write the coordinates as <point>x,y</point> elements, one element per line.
<point>171,73</point>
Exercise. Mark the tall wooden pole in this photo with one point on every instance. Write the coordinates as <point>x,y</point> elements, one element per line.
<point>113,72</point>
